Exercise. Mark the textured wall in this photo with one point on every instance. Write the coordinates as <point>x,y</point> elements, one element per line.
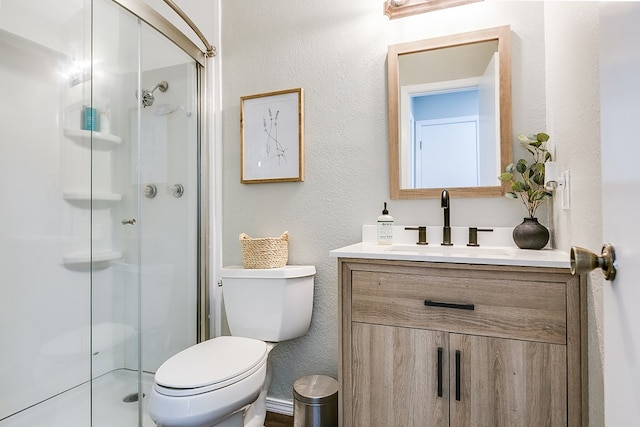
<point>336,51</point>
<point>573,117</point>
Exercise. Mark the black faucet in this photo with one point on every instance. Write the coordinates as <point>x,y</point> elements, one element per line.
<point>446,230</point>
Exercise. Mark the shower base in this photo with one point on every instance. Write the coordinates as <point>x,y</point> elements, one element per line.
<point>73,408</point>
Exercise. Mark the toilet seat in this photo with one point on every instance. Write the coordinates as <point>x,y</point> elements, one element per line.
<point>210,365</point>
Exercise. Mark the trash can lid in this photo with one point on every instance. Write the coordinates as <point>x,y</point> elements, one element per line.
<point>315,389</point>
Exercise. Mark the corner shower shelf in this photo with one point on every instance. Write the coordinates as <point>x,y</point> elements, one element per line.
<point>83,136</point>
<point>86,257</point>
<point>85,196</point>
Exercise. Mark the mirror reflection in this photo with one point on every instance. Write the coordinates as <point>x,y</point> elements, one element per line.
<point>450,114</point>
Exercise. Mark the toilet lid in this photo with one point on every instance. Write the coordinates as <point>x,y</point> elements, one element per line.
<point>218,360</point>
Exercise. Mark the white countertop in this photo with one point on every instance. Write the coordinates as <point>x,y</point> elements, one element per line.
<point>496,250</point>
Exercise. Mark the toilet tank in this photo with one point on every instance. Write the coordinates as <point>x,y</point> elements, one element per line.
<point>268,304</point>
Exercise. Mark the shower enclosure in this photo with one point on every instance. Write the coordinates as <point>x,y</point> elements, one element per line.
<point>101,260</point>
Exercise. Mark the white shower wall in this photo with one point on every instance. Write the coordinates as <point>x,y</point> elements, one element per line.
<point>63,319</point>
<point>41,299</point>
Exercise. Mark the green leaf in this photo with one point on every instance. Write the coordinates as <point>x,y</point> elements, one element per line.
<point>542,137</point>
<point>530,173</point>
<point>538,179</point>
<point>505,176</point>
<point>530,188</point>
<point>517,187</point>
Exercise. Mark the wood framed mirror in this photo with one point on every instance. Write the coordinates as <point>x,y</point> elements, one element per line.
<point>450,115</point>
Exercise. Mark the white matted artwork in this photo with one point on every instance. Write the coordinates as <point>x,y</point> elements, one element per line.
<point>271,130</point>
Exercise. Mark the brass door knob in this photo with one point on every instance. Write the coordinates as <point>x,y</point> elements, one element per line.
<point>583,261</point>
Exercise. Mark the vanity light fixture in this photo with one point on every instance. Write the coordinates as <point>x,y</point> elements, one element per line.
<point>401,8</point>
<point>558,183</point>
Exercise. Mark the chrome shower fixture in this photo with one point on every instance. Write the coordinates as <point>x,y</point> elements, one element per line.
<point>147,95</point>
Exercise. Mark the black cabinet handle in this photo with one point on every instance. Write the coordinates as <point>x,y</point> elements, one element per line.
<point>430,303</point>
<point>457,374</point>
<point>439,371</point>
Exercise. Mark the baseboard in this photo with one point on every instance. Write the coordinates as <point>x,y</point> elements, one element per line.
<point>280,406</point>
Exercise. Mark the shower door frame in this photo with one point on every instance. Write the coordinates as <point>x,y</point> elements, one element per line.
<point>150,17</point>
<point>157,21</point>
<point>199,279</point>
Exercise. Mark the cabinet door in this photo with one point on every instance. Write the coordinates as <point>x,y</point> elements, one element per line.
<point>399,376</point>
<point>506,382</point>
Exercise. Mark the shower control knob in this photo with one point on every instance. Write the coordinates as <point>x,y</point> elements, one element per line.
<point>150,191</point>
<point>131,221</point>
<point>176,190</point>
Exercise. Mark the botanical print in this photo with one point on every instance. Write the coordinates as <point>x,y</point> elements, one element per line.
<point>271,126</point>
<point>271,132</point>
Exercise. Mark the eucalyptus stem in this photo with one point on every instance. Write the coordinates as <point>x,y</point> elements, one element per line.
<point>530,187</point>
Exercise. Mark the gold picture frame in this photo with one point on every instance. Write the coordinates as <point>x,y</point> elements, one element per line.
<point>271,137</point>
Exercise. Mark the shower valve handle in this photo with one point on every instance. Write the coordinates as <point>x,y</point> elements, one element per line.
<point>131,221</point>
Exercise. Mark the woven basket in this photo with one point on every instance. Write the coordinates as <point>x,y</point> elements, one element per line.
<point>265,252</point>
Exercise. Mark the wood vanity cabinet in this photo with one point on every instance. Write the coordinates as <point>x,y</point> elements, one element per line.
<point>438,344</point>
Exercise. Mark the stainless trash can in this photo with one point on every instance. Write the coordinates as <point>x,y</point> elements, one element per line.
<point>315,401</point>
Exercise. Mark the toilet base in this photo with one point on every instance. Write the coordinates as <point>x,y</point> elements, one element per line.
<point>235,420</point>
<point>195,411</point>
<point>257,411</point>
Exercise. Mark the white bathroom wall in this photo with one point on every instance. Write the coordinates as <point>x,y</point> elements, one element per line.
<point>336,51</point>
<point>573,117</point>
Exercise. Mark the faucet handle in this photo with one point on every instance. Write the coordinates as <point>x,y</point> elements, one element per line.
<point>473,235</point>
<point>422,234</point>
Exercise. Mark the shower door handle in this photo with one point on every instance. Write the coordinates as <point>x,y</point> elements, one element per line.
<point>131,221</point>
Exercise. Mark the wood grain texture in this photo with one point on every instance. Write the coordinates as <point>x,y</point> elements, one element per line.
<point>509,382</point>
<point>540,378</point>
<point>395,377</point>
<point>524,309</point>
<point>278,420</point>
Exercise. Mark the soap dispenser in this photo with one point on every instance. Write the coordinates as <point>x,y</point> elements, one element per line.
<point>385,227</point>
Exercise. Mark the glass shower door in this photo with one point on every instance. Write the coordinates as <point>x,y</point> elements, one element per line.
<point>144,211</point>
<point>45,221</point>
<point>99,230</point>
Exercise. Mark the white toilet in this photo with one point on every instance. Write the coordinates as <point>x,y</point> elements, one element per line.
<point>223,381</point>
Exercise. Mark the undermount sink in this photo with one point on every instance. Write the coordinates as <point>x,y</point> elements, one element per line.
<point>455,251</point>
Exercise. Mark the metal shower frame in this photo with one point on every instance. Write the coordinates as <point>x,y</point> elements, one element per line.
<point>149,15</point>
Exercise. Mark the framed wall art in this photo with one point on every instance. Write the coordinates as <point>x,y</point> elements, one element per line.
<point>271,137</point>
